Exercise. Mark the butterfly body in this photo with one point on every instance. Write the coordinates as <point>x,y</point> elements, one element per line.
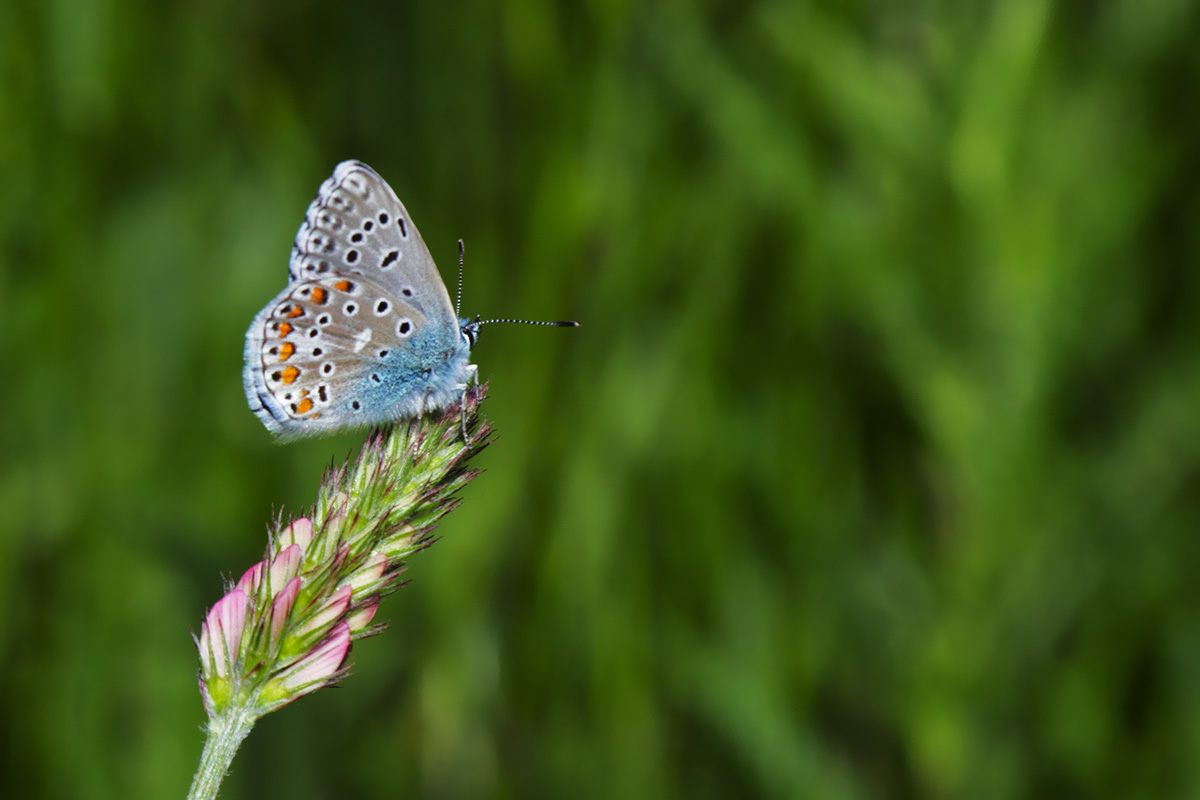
<point>364,332</point>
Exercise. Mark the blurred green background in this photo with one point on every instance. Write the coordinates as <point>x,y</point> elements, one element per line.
<point>874,471</point>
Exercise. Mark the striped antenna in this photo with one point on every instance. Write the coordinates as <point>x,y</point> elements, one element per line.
<point>458,301</point>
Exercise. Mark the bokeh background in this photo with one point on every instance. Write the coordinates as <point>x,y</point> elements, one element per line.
<point>874,471</point>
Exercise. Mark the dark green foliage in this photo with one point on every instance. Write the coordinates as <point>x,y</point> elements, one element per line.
<point>872,473</point>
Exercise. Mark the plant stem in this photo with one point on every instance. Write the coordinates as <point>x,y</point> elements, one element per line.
<point>225,734</point>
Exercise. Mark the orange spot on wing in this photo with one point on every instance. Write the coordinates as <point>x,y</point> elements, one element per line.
<point>295,312</point>
<point>284,328</point>
<point>342,286</point>
<point>320,295</point>
<point>304,406</point>
<point>289,375</point>
<point>285,351</point>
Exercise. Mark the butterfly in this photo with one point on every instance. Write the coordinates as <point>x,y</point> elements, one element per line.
<point>364,333</point>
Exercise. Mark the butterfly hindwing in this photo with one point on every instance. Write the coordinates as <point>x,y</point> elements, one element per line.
<point>337,353</point>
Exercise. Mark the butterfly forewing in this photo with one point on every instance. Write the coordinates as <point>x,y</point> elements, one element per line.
<point>357,226</point>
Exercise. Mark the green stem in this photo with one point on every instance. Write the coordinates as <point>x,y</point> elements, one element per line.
<point>225,734</point>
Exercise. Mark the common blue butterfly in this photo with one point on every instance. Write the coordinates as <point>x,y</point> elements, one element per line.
<point>364,332</point>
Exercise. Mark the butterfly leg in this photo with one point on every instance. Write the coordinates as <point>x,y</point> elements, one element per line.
<point>472,377</point>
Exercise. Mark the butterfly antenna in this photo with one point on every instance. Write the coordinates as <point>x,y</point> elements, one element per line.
<point>458,300</point>
<point>564,323</point>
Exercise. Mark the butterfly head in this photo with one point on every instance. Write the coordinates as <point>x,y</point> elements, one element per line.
<point>470,330</point>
